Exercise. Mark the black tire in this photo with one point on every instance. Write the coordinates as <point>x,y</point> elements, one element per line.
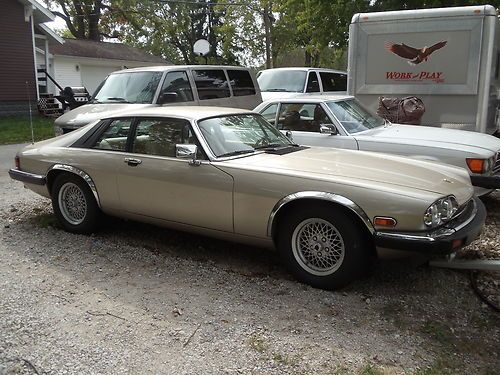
<point>331,262</point>
<point>80,213</point>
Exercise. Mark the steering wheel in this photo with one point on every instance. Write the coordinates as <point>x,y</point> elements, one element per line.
<point>264,141</point>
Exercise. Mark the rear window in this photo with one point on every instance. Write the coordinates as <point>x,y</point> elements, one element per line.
<point>333,81</point>
<point>241,82</point>
<point>211,84</point>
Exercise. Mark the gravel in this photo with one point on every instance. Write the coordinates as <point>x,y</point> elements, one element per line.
<point>138,299</point>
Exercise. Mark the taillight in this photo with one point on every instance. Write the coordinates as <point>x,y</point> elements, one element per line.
<point>17,162</point>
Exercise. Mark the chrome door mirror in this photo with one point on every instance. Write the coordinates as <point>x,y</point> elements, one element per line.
<point>183,151</point>
<point>289,135</point>
<point>328,129</point>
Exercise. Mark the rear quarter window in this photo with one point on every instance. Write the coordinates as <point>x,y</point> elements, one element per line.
<point>241,82</point>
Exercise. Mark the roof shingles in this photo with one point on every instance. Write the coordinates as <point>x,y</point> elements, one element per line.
<point>103,50</point>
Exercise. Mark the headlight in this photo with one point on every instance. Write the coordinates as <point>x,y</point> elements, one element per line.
<point>441,211</point>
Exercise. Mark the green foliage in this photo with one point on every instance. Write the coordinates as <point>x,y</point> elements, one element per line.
<point>17,129</point>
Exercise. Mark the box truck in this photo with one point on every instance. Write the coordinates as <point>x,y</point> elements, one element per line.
<point>447,57</point>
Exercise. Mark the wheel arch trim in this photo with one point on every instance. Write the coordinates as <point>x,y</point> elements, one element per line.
<point>88,180</point>
<point>322,196</point>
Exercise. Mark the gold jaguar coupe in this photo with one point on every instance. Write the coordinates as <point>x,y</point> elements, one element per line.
<point>228,173</point>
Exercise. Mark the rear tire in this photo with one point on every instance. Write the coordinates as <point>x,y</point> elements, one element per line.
<point>323,246</point>
<point>74,204</point>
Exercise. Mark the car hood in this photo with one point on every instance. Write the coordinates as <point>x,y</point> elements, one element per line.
<point>366,167</point>
<point>90,112</point>
<point>432,137</point>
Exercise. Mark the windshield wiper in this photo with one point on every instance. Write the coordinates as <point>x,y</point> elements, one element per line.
<point>279,90</point>
<point>238,152</point>
<point>271,145</point>
<point>122,100</point>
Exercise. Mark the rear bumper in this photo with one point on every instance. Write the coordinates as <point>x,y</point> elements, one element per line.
<point>29,178</point>
<point>444,240</point>
<point>487,182</point>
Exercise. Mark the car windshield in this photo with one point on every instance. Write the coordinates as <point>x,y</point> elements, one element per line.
<point>241,134</point>
<point>282,80</point>
<point>353,116</point>
<point>133,87</point>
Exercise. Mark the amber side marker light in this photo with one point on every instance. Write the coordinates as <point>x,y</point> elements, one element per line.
<point>17,162</point>
<point>456,243</point>
<point>475,165</point>
<point>385,221</point>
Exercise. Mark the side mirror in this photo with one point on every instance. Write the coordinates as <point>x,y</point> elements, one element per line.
<point>289,135</point>
<point>183,151</point>
<point>167,97</point>
<point>328,129</point>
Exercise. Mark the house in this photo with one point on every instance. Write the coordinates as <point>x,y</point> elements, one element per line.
<point>22,32</point>
<point>86,63</point>
<point>35,62</point>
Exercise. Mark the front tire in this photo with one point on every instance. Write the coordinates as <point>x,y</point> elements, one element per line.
<point>323,246</point>
<point>74,204</point>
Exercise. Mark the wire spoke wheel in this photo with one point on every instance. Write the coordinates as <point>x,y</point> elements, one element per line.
<point>72,203</point>
<point>318,246</point>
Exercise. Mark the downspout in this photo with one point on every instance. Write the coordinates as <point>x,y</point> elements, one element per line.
<point>32,22</point>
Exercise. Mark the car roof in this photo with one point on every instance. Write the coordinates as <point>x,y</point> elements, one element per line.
<point>310,98</point>
<point>162,68</point>
<point>187,112</point>
<point>305,69</point>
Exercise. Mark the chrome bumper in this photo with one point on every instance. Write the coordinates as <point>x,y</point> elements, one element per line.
<point>448,238</point>
<point>29,178</point>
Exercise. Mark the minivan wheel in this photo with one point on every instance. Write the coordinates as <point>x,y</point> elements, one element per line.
<point>74,204</point>
<point>322,246</point>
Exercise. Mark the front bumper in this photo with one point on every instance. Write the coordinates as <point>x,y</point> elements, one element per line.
<point>446,239</point>
<point>487,182</point>
<point>29,178</point>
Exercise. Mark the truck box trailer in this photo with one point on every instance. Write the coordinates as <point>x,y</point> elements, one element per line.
<point>447,57</point>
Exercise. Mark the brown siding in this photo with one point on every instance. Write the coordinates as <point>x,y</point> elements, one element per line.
<point>16,53</point>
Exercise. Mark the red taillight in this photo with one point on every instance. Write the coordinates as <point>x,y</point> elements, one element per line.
<point>17,162</point>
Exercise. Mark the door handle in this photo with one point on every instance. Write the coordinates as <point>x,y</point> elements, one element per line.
<point>132,162</point>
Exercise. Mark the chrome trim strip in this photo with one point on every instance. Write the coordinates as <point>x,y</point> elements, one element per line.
<point>433,235</point>
<point>82,174</point>
<point>27,177</point>
<point>331,197</point>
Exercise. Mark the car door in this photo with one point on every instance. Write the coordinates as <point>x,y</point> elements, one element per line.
<point>153,182</point>
<point>304,120</point>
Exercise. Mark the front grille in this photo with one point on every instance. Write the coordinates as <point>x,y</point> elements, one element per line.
<point>496,166</point>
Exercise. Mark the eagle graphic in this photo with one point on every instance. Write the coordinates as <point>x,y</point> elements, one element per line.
<point>415,55</point>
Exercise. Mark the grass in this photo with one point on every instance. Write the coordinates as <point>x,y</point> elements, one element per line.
<point>17,129</point>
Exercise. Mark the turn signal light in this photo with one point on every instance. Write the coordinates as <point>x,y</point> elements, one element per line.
<point>385,221</point>
<point>17,162</point>
<point>476,165</point>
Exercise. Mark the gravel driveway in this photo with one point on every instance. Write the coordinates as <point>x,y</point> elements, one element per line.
<point>136,299</point>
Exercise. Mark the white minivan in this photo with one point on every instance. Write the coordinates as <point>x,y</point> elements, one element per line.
<point>209,85</point>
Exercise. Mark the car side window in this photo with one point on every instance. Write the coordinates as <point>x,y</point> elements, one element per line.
<point>176,84</point>
<point>211,84</point>
<point>159,136</point>
<point>241,82</point>
<point>306,117</point>
<point>115,136</point>
<point>312,82</point>
<point>270,113</point>
<point>333,81</point>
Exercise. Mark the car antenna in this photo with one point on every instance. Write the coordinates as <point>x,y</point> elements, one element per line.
<point>31,118</point>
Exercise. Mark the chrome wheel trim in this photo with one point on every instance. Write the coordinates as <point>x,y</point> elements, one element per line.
<point>72,203</point>
<point>318,246</point>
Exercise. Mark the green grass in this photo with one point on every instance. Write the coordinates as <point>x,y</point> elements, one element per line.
<point>17,129</point>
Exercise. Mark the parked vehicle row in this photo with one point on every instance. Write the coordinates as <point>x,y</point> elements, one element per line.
<point>228,173</point>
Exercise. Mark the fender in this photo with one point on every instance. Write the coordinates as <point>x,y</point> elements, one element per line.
<point>80,173</point>
<point>320,195</point>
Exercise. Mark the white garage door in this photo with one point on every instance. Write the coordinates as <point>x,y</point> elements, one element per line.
<point>93,75</point>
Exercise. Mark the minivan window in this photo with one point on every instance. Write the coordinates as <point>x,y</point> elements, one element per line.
<point>333,81</point>
<point>241,82</point>
<point>285,80</point>
<point>211,84</point>
<point>130,87</point>
<point>177,84</point>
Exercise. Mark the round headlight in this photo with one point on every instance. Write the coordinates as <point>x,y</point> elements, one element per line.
<point>441,211</point>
